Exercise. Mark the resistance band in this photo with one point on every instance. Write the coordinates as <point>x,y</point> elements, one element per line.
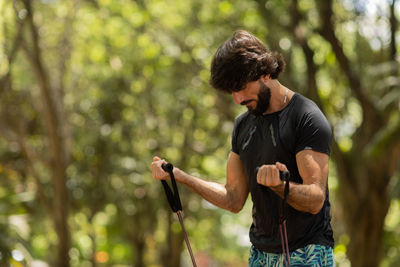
<point>284,176</point>
<point>175,203</point>
<point>282,219</point>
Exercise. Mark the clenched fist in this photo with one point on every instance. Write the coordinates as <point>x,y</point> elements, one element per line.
<point>268,175</point>
<point>157,171</point>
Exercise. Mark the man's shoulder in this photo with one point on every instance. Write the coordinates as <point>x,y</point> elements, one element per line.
<point>303,103</point>
<point>306,111</point>
<point>242,118</point>
<point>242,122</point>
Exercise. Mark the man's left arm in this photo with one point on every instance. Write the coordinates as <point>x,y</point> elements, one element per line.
<point>313,167</point>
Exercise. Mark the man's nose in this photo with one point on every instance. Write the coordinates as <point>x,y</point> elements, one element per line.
<point>238,97</point>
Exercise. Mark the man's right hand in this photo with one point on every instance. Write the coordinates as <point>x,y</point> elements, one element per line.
<point>157,171</point>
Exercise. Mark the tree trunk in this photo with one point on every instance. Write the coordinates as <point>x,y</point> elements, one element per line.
<point>140,250</point>
<point>393,30</point>
<point>93,237</point>
<point>61,218</point>
<point>365,207</point>
<point>55,141</point>
<point>176,249</point>
<point>365,171</point>
<point>365,221</point>
<point>172,254</point>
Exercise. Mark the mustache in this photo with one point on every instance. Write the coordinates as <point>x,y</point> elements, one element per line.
<point>245,102</point>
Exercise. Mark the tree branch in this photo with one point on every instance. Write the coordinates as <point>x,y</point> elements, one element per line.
<point>51,121</point>
<point>5,79</point>
<point>393,30</point>
<point>301,40</point>
<point>312,68</point>
<point>56,145</point>
<point>371,115</point>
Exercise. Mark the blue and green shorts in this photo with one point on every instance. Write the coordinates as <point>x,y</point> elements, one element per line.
<point>309,256</point>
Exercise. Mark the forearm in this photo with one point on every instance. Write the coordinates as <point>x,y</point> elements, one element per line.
<point>307,198</point>
<point>218,194</point>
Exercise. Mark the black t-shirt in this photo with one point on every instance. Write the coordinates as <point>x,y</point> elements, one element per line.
<point>279,137</point>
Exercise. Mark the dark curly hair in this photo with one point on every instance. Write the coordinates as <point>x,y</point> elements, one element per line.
<point>242,59</point>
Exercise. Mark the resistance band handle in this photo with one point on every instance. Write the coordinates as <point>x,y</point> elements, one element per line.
<point>172,196</point>
<point>283,175</point>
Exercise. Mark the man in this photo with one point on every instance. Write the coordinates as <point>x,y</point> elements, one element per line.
<point>282,130</point>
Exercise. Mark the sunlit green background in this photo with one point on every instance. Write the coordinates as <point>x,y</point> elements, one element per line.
<point>128,80</point>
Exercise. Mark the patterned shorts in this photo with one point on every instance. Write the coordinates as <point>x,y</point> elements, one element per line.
<point>309,256</point>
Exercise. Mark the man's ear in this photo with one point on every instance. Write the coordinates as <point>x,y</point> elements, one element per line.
<point>265,77</point>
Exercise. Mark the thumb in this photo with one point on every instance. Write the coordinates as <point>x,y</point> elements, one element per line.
<point>155,158</point>
<point>280,166</point>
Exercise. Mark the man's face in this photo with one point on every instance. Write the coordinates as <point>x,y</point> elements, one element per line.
<point>255,96</point>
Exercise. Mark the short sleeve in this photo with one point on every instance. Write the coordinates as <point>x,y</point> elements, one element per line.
<point>314,132</point>
<point>235,133</point>
<point>235,147</point>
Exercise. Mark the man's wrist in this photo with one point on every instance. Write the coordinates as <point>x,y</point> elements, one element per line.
<point>279,189</point>
<point>179,175</point>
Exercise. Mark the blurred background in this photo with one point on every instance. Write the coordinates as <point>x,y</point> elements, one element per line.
<point>91,90</point>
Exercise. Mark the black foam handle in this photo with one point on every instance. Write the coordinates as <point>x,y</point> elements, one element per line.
<point>167,167</point>
<point>172,196</point>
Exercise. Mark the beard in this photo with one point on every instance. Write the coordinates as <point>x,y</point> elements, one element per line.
<point>264,97</point>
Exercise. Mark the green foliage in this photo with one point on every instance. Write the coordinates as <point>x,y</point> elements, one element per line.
<point>131,78</point>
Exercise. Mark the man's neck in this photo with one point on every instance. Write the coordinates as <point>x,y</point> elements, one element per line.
<point>279,94</point>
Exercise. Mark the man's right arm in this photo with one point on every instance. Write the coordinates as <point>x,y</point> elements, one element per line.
<point>231,196</point>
